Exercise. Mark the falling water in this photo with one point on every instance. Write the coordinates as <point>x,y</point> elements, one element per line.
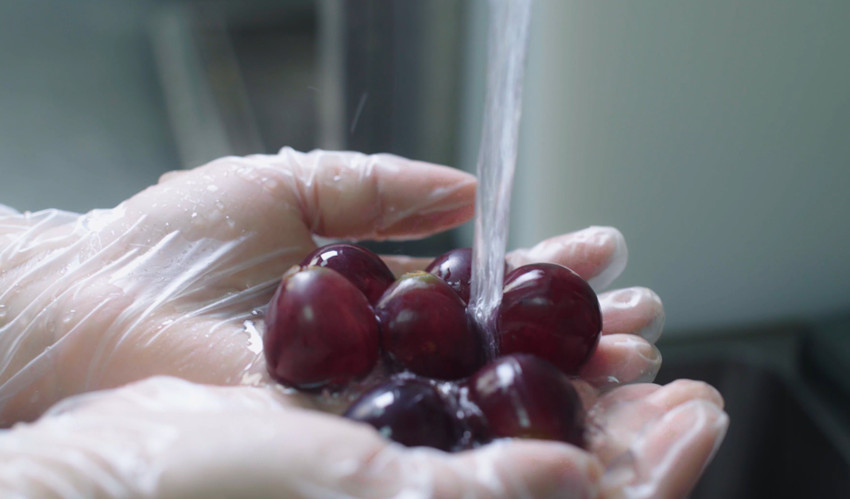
<point>507,41</point>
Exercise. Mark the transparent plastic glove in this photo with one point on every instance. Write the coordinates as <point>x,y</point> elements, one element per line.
<point>173,281</point>
<point>166,437</point>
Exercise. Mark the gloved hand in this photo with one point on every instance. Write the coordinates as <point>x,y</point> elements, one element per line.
<point>166,437</point>
<point>172,280</point>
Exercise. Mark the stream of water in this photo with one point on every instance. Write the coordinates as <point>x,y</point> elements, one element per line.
<point>507,47</point>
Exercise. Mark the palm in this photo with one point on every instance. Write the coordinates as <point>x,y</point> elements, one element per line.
<point>195,440</point>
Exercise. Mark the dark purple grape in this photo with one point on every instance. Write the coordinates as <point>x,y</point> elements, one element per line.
<point>362,267</point>
<point>320,330</point>
<point>409,411</point>
<point>549,311</point>
<point>424,328</point>
<point>525,397</point>
<point>455,267</point>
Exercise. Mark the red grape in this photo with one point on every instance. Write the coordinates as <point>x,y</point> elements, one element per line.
<point>455,267</point>
<point>424,328</point>
<point>549,311</point>
<point>362,267</point>
<point>523,396</point>
<point>321,330</point>
<point>331,316</point>
<point>409,411</point>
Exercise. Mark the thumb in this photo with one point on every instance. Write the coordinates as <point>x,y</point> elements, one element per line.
<point>332,194</point>
<point>266,207</point>
<point>352,195</point>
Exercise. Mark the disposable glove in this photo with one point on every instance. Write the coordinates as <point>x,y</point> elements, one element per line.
<point>174,280</point>
<point>165,437</point>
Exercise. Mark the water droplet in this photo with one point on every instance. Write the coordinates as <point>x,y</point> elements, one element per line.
<point>251,379</point>
<point>255,342</point>
<point>270,183</point>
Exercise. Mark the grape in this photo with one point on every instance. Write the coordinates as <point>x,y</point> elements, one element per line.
<point>549,311</point>
<point>332,315</point>
<point>523,396</point>
<point>320,332</point>
<point>424,328</point>
<point>362,267</point>
<point>409,411</point>
<point>455,267</point>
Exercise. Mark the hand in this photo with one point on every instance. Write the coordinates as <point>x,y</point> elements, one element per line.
<point>167,282</point>
<point>171,281</point>
<point>166,437</point>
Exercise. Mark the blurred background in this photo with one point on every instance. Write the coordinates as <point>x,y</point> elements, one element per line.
<point>714,135</point>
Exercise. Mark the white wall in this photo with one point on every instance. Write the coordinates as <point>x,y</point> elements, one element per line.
<point>715,135</point>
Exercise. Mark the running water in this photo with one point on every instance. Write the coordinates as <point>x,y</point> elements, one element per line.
<point>507,42</point>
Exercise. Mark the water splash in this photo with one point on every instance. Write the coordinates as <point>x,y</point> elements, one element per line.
<point>508,42</point>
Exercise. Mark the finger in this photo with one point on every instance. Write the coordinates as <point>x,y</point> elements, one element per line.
<point>267,207</point>
<point>682,391</point>
<point>354,196</point>
<point>513,468</point>
<point>620,359</point>
<point>636,311</point>
<point>597,254</point>
<point>336,194</point>
<point>619,417</point>
<point>669,458</point>
<point>623,395</point>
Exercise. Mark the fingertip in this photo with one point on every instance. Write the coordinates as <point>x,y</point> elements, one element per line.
<point>635,310</point>
<point>382,196</point>
<point>612,240</point>
<point>421,198</point>
<point>598,254</point>
<point>622,358</point>
<point>682,391</point>
<point>672,454</point>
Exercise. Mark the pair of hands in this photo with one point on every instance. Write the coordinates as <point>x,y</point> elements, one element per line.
<point>160,300</point>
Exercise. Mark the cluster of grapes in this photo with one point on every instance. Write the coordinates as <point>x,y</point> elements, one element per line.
<point>341,313</point>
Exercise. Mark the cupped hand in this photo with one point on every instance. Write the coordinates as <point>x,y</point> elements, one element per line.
<point>166,437</point>
<point>173,280</point>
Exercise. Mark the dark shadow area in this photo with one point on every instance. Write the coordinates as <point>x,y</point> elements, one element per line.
<point>774,447</point>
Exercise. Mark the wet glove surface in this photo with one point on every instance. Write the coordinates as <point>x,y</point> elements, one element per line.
<point>174,281</point>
